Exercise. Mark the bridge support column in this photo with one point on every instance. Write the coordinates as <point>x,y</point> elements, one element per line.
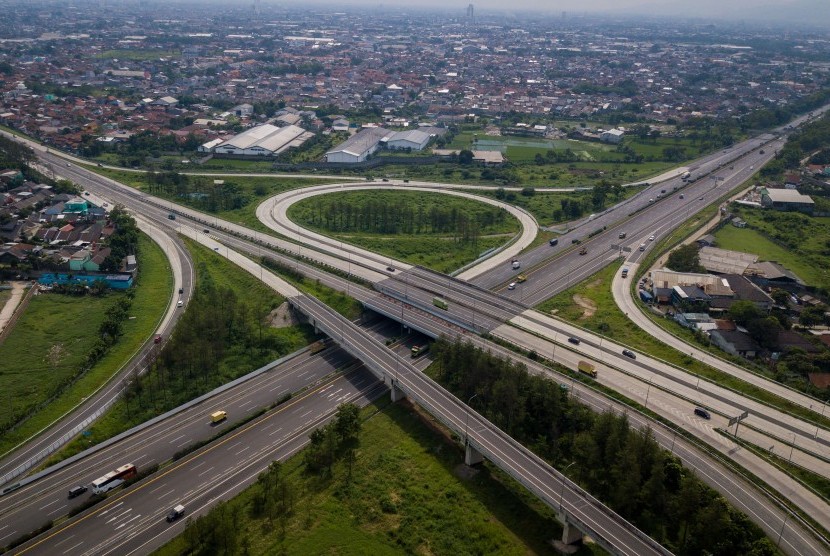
<point>570,534</point>
<point>397,393</point>
<point>472,456</point>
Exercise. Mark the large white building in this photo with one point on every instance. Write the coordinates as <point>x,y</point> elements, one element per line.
<point>413,139</point>
<point>359,146</point>
<point>612,136</point>
<point>264,140</point>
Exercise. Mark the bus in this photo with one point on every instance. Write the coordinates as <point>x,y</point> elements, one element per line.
<point>114,479</point>
<point>440,303</point>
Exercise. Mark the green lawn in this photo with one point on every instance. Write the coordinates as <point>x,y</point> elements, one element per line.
<point>798,242</point>
<point>405,497</point>
<point>55,334</point>
<point>438,250</point>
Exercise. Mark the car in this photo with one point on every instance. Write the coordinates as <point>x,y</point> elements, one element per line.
<point>175,513</point>
<point>384,179</point>
<point>86,193</point>
<point>521,278</point>
<point>68,164</point>
<point>574,341</point>
<point>511,286</point>
<point>105,205</point>
<point>700,199</point>
<point>651,237</point>
<point>206,231</point>
<point>216,249</point>
<point>76,491</point>
<point>157,339</point>
<point>564,386</point>
<point>762,151</point>
<point>651,200</point>
<point>699,411</point>
<point>663,191</point>
<point>553,242</point>
<point>390,268</point>
<point>100,165</point>
<point>682,196</point>
<point>576,241</point>
<point>180,303</point>
<point>181,291</point>
<point>629,353</point>
<point>583,251</point>
<point>642,247</point>
<point>622,235</point>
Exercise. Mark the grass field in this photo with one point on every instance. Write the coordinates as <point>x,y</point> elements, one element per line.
<point>798,242</point>
<point>55,334</point>
<point>405,497</point>
<point>434,250</point>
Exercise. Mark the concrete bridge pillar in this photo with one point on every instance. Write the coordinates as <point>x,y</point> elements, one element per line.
<point>570,534</point>
<point>397,393</point>
<point>472,456</point>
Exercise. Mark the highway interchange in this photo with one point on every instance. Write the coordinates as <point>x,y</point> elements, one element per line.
<point>497,275</point>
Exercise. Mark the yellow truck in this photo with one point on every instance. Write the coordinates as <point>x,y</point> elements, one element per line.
<point>218,416</point>
<point>587,368</point>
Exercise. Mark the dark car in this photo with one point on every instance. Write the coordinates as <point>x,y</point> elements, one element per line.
<point>175,513</point>
<point>702,413</point>
<point>574,341</point>
<point>390,268</point>
<point>629,353</point>
<point>553,241</point>
<point>181,291</point>
<point>206,231</point>
<point>576,241</point>
<point>77,491</point>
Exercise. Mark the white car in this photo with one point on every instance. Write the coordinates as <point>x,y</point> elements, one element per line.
<point>651,237</point>
<point>642,247</point>
<point>511,286</point>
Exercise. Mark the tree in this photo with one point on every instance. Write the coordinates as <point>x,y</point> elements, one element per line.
<point>764,331</point>
<point>465,157</point>
<point>685,259</point>
<point>743,312</point>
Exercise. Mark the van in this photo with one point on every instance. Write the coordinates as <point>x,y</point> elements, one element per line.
<point>642,247</point>
<point>553,242</point>
<point>702,413</point>
<point>77,491</point>
<point>171,216</point>
<point>218,416</point>
<point>175,513</point>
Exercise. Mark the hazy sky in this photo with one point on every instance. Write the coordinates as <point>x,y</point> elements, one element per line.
<point>811,12</point>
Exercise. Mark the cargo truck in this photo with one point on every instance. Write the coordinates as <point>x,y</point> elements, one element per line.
<point>587,368</point>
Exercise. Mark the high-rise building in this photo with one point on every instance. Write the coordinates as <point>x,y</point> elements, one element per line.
<point>470,12</point>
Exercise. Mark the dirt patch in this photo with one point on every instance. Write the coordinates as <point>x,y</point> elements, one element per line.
<point>588,306</point>
<point>282,317</point>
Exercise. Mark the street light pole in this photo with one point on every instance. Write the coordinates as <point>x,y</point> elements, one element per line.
<point>564,479</point>
<point>467,419</point>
